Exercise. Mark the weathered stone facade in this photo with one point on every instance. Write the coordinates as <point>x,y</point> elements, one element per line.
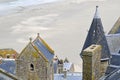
<point>104,65</point>
<point>32,65</point>
<point>60,68</point>
<point>91,62</point>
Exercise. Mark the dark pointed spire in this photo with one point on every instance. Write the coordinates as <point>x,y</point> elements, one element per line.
<point>96,13</point>
<point>96,36</point>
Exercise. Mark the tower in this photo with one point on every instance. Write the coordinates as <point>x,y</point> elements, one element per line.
<point>96,36</point>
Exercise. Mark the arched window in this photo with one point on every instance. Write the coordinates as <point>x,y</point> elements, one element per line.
<point>31,67</point>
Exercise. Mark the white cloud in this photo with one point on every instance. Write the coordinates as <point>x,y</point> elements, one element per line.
<point>34,24</point>
<point>31,26</point>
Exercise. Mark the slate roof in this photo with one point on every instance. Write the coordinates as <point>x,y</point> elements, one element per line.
<point>114,63</point>
<point>96,36</point>
<point>113,69</point>
<point>115,60</point>
<point>6,76</point>
<point>114,46</point>
<point>8,65</point>
<point>116,28</point>
<point>44,48</point>
<point>70,76</point>
<point>115,75</point>
<point>110,69</point>
<point>113,43</point>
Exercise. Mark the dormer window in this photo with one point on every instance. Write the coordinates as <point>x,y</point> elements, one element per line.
<point>31,67</point>
<point>8,56</point>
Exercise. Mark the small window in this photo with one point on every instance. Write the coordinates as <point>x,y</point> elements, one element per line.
<point>31,67</point>
<point>8,56</point>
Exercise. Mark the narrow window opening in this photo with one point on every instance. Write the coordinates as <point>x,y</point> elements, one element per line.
<point>31,67</point>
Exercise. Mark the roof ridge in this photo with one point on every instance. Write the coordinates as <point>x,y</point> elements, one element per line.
<point>23,50</point>
<point>45,44</point>
<point>39,51</point>
<point>115,27</point>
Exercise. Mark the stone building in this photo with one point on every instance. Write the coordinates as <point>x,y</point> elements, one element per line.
<point>35,62</point>
<point>8,53</point>
<point>64,70</point>
<point>100,54</point>
<point>101,63</point>
<point>91,62</point>
<point>96,36</point>
<point>61,66</point>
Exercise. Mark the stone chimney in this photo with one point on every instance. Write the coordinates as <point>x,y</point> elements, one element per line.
<point>91,62</point>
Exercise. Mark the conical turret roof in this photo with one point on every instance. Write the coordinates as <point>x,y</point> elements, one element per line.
<point>96,36</point>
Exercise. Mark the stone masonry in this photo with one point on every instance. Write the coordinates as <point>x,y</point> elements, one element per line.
<point>91,62</point>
